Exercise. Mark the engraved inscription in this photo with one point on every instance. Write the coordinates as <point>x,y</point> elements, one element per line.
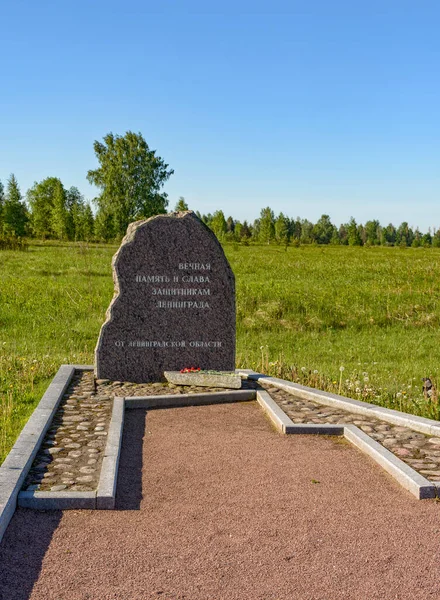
<point>180,291</point>
<point>172,344</point>
<point>183,304</point>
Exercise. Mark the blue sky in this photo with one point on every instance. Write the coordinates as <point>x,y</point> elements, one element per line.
<point>308,107</point>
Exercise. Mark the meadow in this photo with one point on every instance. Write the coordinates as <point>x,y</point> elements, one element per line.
<point>362,322</point>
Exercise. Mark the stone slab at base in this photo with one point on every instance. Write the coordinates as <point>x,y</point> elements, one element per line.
<point>57,500</point>
<point>177,400</point>
<point>201,379</point>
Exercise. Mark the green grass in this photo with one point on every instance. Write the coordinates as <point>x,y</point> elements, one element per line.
<point>302,313</point>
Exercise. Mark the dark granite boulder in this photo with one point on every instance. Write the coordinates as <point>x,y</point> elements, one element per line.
<point>174,302</point>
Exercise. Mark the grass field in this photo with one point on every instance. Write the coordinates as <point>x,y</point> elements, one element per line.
<point>363,322</point>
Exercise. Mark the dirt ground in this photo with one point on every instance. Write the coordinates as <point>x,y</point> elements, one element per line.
<point>213,504</point>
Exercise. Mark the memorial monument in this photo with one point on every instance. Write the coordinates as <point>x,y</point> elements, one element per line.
<point>174,302</point>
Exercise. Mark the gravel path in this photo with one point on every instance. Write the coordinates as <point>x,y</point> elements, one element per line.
<point>214,505</point>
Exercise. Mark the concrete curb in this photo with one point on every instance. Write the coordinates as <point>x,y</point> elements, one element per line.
<point>176,400</point>
<point>408,478</point>
<point>395,417</point>
<point>278,417</point>
<point>108,478</point>
<point>57,500</point>
<point>14,469</point>
<point>412,481</point>
<point>317,429</point>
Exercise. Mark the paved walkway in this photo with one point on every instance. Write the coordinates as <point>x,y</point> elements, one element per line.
<point>214,505</point>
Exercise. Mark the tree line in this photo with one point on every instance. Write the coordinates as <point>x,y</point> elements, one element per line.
<point>130,177</point>
<point>272,229</point>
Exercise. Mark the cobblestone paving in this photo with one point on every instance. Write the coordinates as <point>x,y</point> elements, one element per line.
<point>421,452</point>
<point>71,454</point>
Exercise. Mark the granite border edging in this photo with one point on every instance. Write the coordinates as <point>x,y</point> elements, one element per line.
<point>16,465</point>
<point>280,420</point>
<point>57,500</point>
<point>108,478</point>
<point>406,476</point>
<point>177,400</point>
<point>395,417</point>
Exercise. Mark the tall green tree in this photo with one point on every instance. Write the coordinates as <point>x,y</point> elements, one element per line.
<point>75,208</point>
<point>207,219</point>
<point>353,234</point>
<point>218,224</point>
<point>436,239</point>
<point>267,225</point>
<point>388,235</point>
<point>417,241</point>
<point>295,229</point>
<point>41,198</point>
<point>181,205</point>
<point>245,232</point>
<point>87,224</point>
<point>335,240</point>
<point>60,215</point>
<point>343,235</point>
<point>15,216</point>
<point>237,231</point>
<point>130,177</point>
<point>2,202</point>
<point>323,230</point>
<point>104,226</point>
<point>404,235</point>
<point>282,233</point>
<point>255,230</point>
<point>372,229</point>
<point>427,239</point>
<point>306,232</point>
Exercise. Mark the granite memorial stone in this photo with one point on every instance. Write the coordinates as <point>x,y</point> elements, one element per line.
<point>174,302</point>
